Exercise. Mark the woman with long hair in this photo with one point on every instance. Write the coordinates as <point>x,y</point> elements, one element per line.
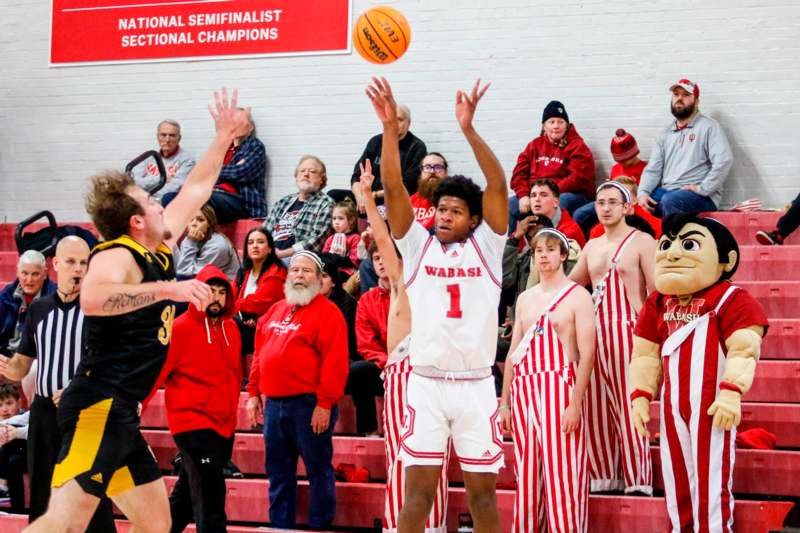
<point>259,283</point>
<point>204,245</point>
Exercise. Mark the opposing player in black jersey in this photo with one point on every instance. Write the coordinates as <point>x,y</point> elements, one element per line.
<point>128,296</point>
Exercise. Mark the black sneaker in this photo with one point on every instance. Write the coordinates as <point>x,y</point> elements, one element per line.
<point>231,470</point>
<point>769,239</point>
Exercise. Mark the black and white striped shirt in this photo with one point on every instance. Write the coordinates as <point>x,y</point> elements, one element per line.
<point>53,334</point>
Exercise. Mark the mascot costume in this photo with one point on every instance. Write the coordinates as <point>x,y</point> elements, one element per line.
<point>703,333</point>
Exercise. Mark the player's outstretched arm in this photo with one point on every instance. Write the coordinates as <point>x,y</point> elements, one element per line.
<point>400,213</point>
<point>380,232</point>
<point>230,122</point>
<point>110,287</point>
<point>495,197</point>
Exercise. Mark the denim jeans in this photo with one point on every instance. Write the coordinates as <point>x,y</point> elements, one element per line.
<point>586,217</point>
<point>680,201</point>
<point>287,435</point>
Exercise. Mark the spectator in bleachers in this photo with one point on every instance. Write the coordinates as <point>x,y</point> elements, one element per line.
<point>433,170</point>
<point>332,289</point>
<point>58,357</point>
<point>412,150</point>
<point>177,161</point>
<point>519,272</point>
<point>786,225</point>
<point>240,190</point>
<point>300,365</point>
<point>689,162</point>
<point>302,220</point>
<point>204,245</point>
<point>634,211</point>
<point>559,154</point>
<point>202,378</point>
<point>364,382</point>
<point>13,445</point>
<point>259,283</point>
<point>17,296</point>
<point>544,200</point>
<point>345,239</point>
<point>625,151</point>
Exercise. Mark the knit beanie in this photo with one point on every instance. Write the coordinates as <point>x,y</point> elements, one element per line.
<point>554,109</point>
<point>623,146</point>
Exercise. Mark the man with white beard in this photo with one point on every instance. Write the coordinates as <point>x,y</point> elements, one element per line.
<point>301,351</point>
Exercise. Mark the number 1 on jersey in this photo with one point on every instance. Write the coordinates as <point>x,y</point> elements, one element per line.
<point>455,301</point>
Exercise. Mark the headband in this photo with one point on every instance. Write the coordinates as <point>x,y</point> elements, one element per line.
<point>311,255</point>
<point>554,232</point>
<point>626,194</point>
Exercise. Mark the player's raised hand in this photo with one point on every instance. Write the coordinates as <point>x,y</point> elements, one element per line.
<point>367,178</point>
<point>467,103</point>
<point>380,94</point>
<point>228,117</point>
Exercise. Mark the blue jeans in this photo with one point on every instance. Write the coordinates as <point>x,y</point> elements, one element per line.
<point>287,435</point>
<point>367,275</point>
<point>569,201</point>
<point>680,201</point>
<point>586,217</point>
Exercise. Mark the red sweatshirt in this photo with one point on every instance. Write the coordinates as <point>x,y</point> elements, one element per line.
<point>424,211</point>
<point>268,291</point>
<point>570,228</point>
<point>305,355</point>
<point>372,320</point>
<point>352,240</point>
<point>571,167</point>
<point>203,371</point>
<point>634,171</point>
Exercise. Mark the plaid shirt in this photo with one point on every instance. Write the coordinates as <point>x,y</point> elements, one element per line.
<point>313,224</point>
<point>246,171</point>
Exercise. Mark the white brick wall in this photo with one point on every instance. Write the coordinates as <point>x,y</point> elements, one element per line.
<point>609,61</point>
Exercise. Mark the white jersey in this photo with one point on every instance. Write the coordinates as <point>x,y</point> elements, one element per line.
<point>453,291</point>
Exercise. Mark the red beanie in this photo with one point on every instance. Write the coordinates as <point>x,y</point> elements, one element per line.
<point>623,146</point>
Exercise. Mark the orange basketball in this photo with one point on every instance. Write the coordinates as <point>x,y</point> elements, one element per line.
<point>381,35</point>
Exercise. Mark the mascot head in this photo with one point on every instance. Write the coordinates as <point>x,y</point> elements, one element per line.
<point>693,253</point>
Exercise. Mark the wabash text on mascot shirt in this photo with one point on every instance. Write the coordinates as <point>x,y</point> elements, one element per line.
<point>662,315</point>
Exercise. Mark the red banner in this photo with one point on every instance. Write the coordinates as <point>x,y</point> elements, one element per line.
<point>169,30</point>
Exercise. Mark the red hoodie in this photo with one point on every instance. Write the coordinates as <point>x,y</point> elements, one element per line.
<point>571,229</point>
<point>304,352</point>
<point>571,167</point>
<point>203,371</point>
<point>372,318</point>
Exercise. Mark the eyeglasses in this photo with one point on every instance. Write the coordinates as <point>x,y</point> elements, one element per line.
<point>610,203</point>
<point>434,168</point>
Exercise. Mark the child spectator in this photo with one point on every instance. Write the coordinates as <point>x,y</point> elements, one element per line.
<point>13,457</point>
<point>345,239</point>
<point>203,245</point>
<point>259,283</point>
<point>625,151</point>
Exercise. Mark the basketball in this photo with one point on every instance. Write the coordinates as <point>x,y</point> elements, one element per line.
<point>381,35</point>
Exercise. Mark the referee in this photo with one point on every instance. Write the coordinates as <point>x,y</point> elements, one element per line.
<point>53,334</point>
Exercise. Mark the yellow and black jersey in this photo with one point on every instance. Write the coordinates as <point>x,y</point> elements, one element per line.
<point>126,352</point>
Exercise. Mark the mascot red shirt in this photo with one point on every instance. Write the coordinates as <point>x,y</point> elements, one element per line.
<point>703,333</point>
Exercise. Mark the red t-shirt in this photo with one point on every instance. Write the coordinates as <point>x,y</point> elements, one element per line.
<point>571,229</point>
<point>424,211</point>
<point>662,315</point>
<point>634,171</point>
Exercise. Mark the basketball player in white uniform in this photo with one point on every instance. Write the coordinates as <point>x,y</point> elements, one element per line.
<point>453,282</point>
<point>398,368</point>
<point>544,385</point>
<point>621,266</point>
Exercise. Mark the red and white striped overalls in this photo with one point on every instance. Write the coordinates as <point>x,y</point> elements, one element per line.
<point>616,451</point>
<point>550,465</point>
<point>395,381</point>
<point>696,458</point>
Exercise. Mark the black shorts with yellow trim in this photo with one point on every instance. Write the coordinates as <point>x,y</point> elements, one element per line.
<point>102,447</point>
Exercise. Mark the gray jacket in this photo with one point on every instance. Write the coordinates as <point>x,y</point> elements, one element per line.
<point>145,174</point>
<point>698,154</point>
<point>191,256</point>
